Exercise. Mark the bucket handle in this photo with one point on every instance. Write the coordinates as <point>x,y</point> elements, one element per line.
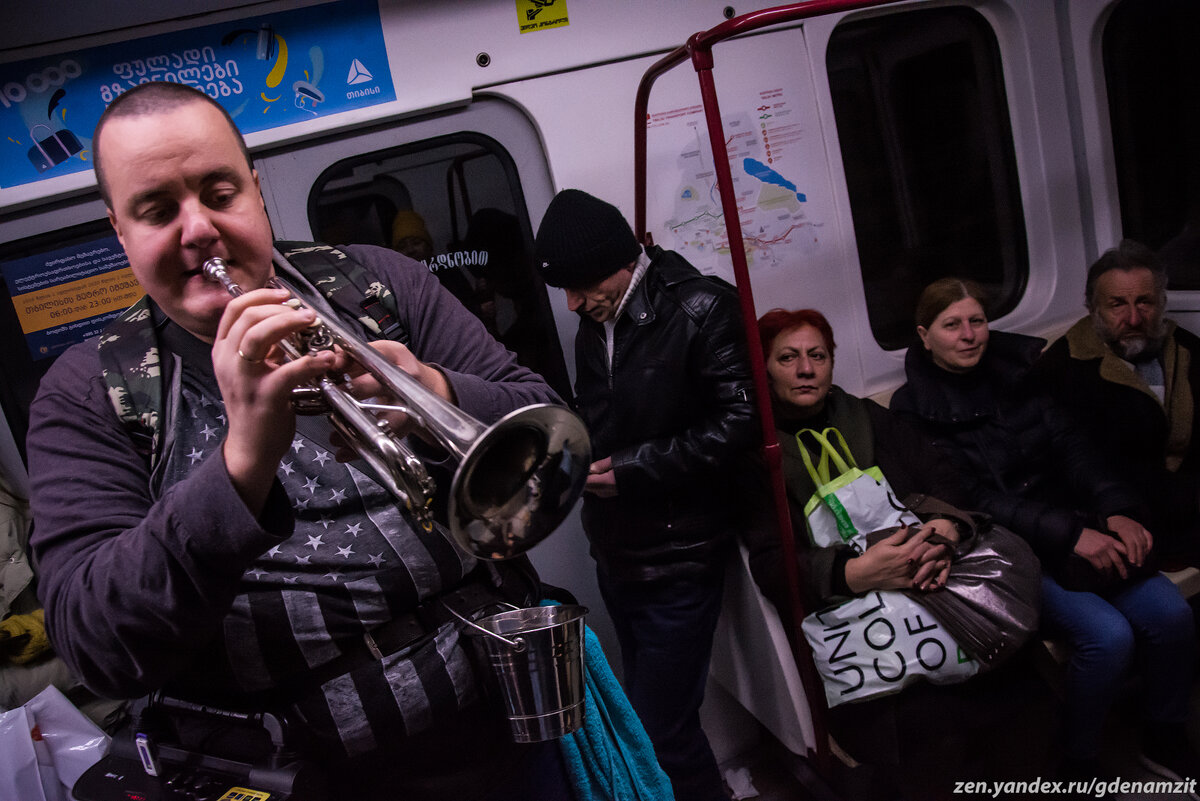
<point>517,643</point>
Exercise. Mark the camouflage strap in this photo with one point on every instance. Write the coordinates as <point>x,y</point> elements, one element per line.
<point>347,286</point>
<point>130,353</point>
<point>129,362</point>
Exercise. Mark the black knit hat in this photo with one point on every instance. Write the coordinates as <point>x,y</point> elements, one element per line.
<point>583,240</point>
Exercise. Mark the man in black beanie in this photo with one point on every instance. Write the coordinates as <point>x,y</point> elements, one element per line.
<point>664,384</point>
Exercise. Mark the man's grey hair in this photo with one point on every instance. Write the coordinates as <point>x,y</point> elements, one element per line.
<point>1126,256</point>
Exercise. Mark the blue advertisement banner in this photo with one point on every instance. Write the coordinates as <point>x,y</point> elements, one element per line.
<point>65,295</point>
<point>267,71</point>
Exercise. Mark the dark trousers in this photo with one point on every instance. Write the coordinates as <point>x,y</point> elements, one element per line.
<point>666,633</point>
<point>469,758</point>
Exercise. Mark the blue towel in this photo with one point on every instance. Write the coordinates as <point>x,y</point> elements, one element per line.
<point>610,758</point>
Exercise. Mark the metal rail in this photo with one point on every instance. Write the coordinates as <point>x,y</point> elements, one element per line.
<point>699,50</point>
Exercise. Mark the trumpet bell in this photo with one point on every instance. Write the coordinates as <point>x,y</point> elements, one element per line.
<point>518,480</point>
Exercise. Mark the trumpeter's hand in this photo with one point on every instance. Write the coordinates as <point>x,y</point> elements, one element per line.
<point>365,386</point>
<point>256,381</point>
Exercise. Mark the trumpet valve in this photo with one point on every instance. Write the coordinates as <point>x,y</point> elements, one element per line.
<point>316,337</point>
<point>309,400</point>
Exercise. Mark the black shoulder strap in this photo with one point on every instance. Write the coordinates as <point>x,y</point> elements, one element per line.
<point>347,286</point>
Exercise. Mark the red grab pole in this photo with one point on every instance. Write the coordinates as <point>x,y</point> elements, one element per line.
<point>699,50</point>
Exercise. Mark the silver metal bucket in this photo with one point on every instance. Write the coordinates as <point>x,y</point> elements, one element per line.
<point>536,655</point>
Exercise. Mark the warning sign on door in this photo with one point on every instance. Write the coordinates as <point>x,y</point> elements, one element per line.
<point>536,15</point>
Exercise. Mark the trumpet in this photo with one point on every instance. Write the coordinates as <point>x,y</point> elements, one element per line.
<point>515,480</point>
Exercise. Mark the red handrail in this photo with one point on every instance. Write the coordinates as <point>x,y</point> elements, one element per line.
<point>699,49</point>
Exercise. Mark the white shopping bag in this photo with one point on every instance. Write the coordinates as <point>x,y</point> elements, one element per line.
<point>880,643</point>
<point>883,641</point>
<point>849,503</point>
<point>45,746</point>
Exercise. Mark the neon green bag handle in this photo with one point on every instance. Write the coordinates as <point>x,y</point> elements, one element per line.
<point>820,473</point>
<point>826,484</point>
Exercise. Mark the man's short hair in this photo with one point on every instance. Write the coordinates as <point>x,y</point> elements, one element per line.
<point>154,98</point>
<point>1128,255</point>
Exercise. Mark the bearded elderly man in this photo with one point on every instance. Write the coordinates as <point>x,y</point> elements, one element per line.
<point>1130,377</point>
<point>249,567</point>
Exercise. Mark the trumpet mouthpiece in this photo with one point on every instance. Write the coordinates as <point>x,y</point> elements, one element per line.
<point>213,267</point>
<point>216,269</point>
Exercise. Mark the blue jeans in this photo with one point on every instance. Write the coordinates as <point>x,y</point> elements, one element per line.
<point>1146,625</point>
<point>666,633</point>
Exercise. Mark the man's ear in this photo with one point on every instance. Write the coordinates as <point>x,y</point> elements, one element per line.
<point>112,220</point>
<point>258,188</point>
<point>263,201</point>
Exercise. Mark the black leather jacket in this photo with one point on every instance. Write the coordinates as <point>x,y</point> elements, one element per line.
<point>676,415</point>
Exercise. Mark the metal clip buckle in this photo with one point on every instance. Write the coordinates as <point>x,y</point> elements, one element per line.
<point>372,646</point>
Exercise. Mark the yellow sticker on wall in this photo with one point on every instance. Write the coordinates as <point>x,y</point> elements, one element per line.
<point>535,15</point>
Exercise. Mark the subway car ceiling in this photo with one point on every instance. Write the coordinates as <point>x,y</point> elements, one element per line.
<point>1009,141</point>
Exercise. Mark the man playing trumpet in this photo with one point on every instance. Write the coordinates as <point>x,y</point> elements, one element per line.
<point>234,560</point>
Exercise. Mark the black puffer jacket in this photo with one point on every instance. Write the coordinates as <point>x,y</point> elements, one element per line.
<point>1023,460</point>
<point>676,415</point>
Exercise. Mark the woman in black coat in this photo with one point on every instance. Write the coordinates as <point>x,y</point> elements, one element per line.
<point>969,389</point>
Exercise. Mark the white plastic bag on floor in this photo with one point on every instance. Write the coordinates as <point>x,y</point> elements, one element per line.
<point>45,746</point>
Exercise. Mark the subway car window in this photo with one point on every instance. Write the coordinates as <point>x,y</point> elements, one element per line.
<point>455,204</point>
<point>922,117</point>
<point>1152,72</point>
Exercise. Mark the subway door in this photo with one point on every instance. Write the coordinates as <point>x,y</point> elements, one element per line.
<point>454,191</point>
